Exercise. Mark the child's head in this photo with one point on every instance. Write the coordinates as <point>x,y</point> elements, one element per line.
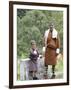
<point>33,44</point>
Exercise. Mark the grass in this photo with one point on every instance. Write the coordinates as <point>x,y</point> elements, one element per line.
<point>59,66</point>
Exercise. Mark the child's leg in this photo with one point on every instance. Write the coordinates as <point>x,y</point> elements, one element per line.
<point>30,75</point>
<point>34,75</point>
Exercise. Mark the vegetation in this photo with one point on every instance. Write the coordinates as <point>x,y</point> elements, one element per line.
<point>31,24</point>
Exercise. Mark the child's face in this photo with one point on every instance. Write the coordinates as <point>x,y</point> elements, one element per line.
<point>33,46</point>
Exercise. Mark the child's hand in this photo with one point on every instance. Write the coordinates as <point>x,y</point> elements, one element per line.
<point>40,56</point>
<point>35,52</point>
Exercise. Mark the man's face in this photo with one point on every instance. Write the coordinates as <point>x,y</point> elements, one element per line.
<point>51,27</point>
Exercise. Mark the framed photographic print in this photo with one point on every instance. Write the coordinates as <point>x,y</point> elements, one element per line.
<point>38,44</point>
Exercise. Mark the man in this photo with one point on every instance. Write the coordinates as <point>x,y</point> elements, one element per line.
<point>52,45</point>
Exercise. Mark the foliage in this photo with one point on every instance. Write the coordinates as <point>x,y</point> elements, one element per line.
<point>31,24</point>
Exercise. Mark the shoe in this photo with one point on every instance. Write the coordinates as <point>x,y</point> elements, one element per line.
<point>53,77</point>
<point>45,77</point>
<point>35,78</point>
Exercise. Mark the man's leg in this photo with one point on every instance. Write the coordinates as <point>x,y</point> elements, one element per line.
<point>46,69</point>
<point>45,73</point>
<point>53,71</point>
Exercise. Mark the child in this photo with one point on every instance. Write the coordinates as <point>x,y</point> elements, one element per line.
<point>33,61</point>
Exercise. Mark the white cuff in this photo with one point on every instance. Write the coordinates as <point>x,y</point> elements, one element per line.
<point>43,49</point>
<point>57,50</point>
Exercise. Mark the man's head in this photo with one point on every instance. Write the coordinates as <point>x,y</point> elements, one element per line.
<point>51,26</point>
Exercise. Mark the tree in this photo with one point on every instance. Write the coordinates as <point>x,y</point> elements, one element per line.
<point>31,24</point>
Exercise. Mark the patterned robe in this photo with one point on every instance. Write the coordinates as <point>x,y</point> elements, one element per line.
<point>50,52</point>
<point>33,59</point>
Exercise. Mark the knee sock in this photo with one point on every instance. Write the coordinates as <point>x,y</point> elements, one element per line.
<point>46,69</point>
<point>53,69</point>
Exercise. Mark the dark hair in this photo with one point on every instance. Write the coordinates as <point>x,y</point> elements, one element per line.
<point>33,42</point>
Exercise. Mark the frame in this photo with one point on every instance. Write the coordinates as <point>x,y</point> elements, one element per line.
<point>19,9</point>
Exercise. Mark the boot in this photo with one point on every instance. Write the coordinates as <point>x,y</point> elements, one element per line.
<point>35,78</point>
<point>53,71</point>
<point>53,76</point>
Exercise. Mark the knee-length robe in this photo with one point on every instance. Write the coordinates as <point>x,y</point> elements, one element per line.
<point>33,60</point>
<point>50,52</point>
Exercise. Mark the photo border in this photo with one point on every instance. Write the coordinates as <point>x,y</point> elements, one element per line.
<point>11,3</point>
